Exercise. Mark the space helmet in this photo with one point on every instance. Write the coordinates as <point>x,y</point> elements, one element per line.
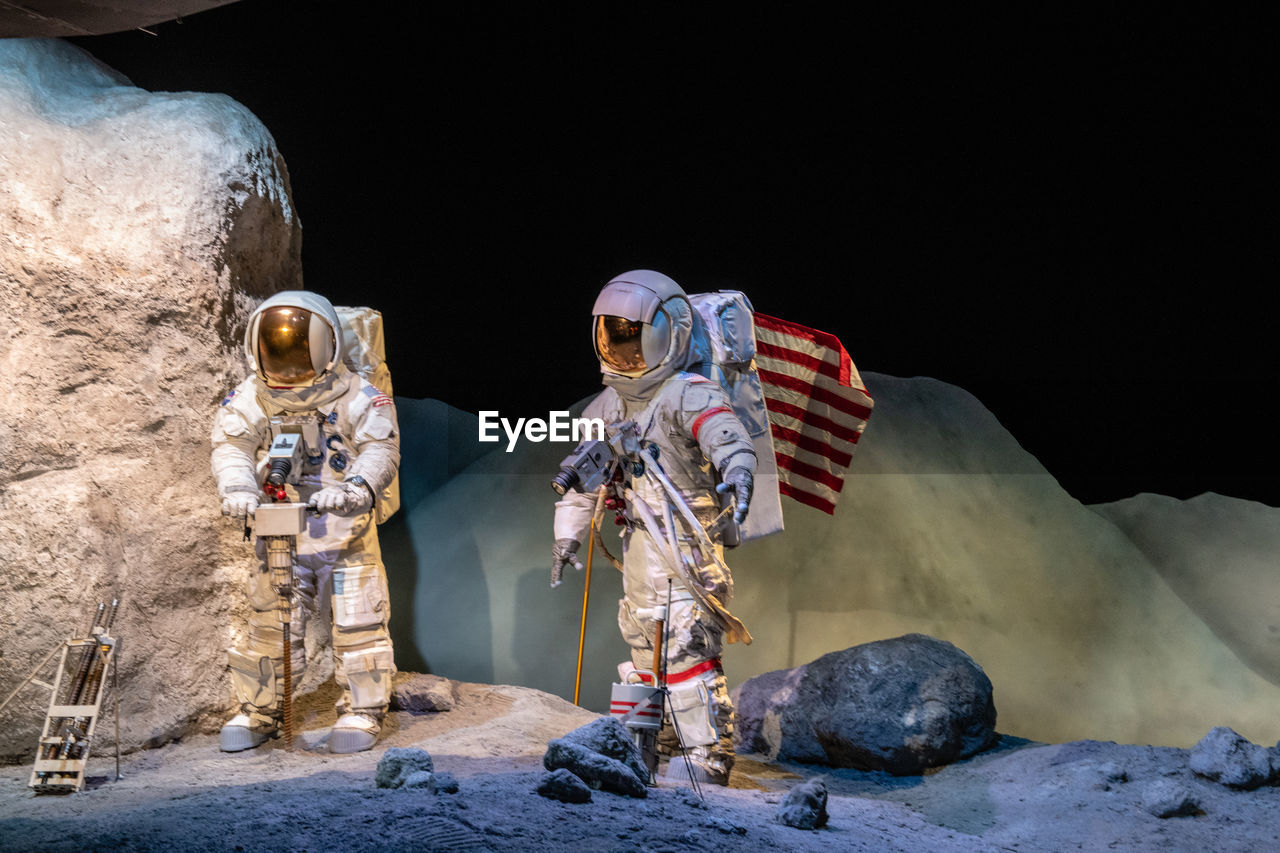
<point>293,339</point>
<point>641,327</point>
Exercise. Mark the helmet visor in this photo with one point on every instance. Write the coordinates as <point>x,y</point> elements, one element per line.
<point>284,345</point>
<point>619,342</point>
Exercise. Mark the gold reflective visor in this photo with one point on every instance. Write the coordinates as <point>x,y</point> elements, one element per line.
<point>284,345</point>
<point>619,343</point>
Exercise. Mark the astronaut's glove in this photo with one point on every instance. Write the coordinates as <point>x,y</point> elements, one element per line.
<point>743,483</point>
<point>240,504</point>
<point>345,500</point>
<point>563,553</point>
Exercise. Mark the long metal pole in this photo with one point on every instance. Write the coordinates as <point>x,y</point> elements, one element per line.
<point>582,629</point>
<point>115,693</point>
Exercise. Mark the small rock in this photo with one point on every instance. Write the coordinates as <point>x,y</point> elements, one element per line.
<point>398,763</point>
<point>805,806</point>
<point>419,779</point>
<point>602,754</point>
<point>1165,798</point>
<point>725,826</point>
<point>564,786</point>
<point>1228,758</point>
<point>420,692</point>
<point>1112,772</point>
<point>689,799</point>
<point>596,770</point>
<point>445,783</point>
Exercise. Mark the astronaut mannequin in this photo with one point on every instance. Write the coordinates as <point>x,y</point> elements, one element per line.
<point>294,346</point>
<point>643,326</point>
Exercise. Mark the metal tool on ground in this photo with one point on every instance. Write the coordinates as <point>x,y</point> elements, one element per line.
<point>75,703</point>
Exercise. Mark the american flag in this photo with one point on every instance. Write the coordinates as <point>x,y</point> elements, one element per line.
<point>818,408</point>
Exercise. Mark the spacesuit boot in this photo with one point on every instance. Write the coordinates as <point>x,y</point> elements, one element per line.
<point>254,680</point>
<point>354,733</point>
<point>245,731</point>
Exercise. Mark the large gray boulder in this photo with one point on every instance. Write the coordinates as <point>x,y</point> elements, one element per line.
<point>1227,757</point>
<point>137,232</point>
<point>901,705</point>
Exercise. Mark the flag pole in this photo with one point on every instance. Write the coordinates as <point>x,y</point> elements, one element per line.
<point>582,630</point>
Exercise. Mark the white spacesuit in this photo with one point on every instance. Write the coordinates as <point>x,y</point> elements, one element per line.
<point>643,328</point>
<point>300,384</point>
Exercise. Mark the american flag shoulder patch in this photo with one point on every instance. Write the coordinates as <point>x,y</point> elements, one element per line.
<point>377,398</point>
<point>230,396</point>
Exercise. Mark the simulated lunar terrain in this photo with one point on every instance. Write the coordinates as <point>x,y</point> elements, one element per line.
<point>1018,796</point>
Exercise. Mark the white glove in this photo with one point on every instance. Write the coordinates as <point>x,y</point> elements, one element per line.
<point>240,504</point>
<point>563,553</point>
<point>742,482</point>
<point>345,500</point>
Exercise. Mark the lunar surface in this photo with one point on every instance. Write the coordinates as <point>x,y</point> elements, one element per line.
<point>1020,795</point>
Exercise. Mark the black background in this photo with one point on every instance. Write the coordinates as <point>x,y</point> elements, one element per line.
<point>1070,218</point>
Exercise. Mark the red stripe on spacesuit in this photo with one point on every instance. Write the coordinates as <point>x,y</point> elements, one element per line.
<point>691,672</point>
<point>702,418</point>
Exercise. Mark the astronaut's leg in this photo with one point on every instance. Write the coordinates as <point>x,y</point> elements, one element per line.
<point>700,712</point>
<point>364,662</point>
<point>257,665</point>
<point>703,715</point>
<point>699,696</point>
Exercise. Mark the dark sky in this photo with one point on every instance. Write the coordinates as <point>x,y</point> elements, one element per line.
<point>1071,219</point>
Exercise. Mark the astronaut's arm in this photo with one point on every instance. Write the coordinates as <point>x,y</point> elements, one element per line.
<point>376,442</point>
<point>719,432</point>
<point>233,463</point>
<point>377,445</point>
<point>572,526</point>
<point>724,440</point>
<point>235,453</point>
<point>572,523</point>
<point>377,462</point>
<point>573,516</point>
<point>574,509</point>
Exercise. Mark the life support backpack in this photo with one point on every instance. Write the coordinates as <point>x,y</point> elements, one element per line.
<point>724,340</point>
<point>364,352</point>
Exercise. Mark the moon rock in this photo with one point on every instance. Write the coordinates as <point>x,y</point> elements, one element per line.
<point>137,232</point>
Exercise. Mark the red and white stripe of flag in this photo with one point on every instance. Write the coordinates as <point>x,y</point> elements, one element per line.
<point>818,408</point>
